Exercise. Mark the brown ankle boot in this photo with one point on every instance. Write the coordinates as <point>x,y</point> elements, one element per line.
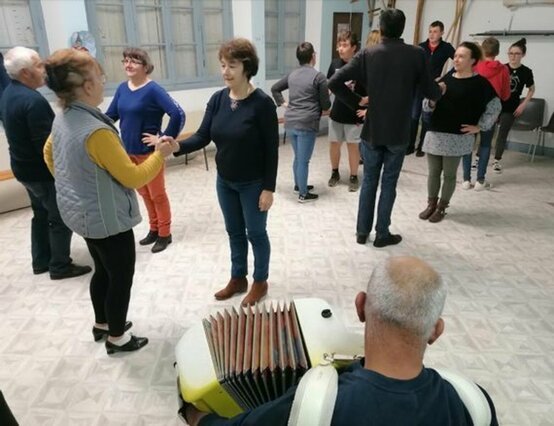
<point>431,206</point>
<point>234,286</point>
<point>439,213</point>
<point>257,292</point>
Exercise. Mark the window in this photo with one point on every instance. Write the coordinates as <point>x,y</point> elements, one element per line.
<point>181,36</point>
<point>21,24</point>
<point>284,30</point>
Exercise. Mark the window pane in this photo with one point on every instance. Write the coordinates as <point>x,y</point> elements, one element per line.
<point>292,6</point>
<point>212,4</point>
<point>271,28</point>
<point>292,28</point>
<point>212,60</point>
<point>185,62</point>
<point>157,54</point>
<point>271,6</point>
<point>182,25</point>
<point>271,57</point>
<point>150,25</point>
<point>112,64</point>
<point>290,56</point>
<point>16,26</point>
<point>111,25</point>
<point>213,27</point>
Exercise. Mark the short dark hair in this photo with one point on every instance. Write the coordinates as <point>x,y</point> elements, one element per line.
<point>491,47</point>
<point>522,44</point>
<point>304,52</point>
<point>242,50</point>
<point>437,24</point>
<point>350,37</point>
<point>391,23</point>
<point>474,48</point>
<point>140,55</point>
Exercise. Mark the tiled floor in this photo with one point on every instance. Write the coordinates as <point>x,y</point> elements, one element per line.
<point>495,249</point>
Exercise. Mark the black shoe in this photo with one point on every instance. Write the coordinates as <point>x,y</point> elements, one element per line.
<point>307,198</point>
<point>100,333</point>
<point>419,153</point>
<point>72,270</point>
<point>132,345</point>
<point>161,244</point>
<point>389,240</point>
<point>310,187</point>
<point>334,179</point>
<point>38,271</point>
<point>361,239</point>
<point>150,238</point>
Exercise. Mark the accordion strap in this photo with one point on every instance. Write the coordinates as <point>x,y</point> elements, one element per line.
<point>314,400</point>
<point>474,400</point>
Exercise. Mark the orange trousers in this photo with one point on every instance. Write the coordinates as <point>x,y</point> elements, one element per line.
<point>156,200</point>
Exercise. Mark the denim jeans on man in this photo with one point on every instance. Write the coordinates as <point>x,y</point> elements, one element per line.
<point>302,142</point>
<point>389,159</point>
<point>484,155</point>
<point>245,222</point>
<point>50,238</point>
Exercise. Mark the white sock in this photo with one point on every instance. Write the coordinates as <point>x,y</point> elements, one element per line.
<point>121,340</point>
<point>101,326</point>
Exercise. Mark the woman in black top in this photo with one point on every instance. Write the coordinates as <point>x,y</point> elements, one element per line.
<point>520,76</point>
<point>242,122</point>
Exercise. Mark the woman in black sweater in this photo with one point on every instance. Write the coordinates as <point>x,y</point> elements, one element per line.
<point>242,122</point>
<point>469,105</point>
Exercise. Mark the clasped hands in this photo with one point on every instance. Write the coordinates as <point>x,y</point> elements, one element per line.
<point>166,145</point>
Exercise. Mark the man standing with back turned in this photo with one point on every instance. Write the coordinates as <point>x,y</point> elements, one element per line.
<point>391,72</point>
<point>28,122</point>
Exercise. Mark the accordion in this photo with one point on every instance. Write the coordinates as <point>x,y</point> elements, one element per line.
<point>238,360</point>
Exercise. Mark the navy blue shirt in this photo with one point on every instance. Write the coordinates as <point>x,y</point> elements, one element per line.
<point>141,111</point>
<point>27,118</point>
<point>4,79</point>
<point>366,398</point>
<point>245,134</point>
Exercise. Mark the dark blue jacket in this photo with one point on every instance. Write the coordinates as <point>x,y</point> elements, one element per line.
<point>438,58</point>
<point>4,79</point>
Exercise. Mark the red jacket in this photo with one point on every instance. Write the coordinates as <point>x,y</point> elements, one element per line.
<point>497,74</point>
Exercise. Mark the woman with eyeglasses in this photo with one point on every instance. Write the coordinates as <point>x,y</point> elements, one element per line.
<point>140,104</point>
<point>94,180</point>
<point>520,77</point>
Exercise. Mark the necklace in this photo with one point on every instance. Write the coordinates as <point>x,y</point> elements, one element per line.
<point>235,103</point>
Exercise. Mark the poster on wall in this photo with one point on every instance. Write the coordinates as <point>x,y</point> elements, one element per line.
<point>83,40</point>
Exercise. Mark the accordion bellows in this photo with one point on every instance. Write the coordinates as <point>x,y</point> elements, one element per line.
<point>237,360</point>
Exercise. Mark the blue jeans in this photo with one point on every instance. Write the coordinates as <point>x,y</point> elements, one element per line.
<point>484,155</point>
<point>389,159</point>
<point>245,222</point>
<point>302,142</point>
<point>50,237</point>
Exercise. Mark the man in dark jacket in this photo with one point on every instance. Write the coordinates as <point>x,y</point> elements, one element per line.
<point>438,52</point>
<point>391,72</point>
<point>4,79</point>
<point>28,122</point>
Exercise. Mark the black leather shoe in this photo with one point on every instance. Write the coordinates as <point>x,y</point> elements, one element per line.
<point>389,240</point>
<point>161,244</point>
<point>150,238</point>
<point>71,271</point>
<point>38,271</point>
<point>132,345</point>
<point>361,239</point>
<point>100,333</point>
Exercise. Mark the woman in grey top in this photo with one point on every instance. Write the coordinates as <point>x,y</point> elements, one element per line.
<point>308,98</point>
<point>469,105</point>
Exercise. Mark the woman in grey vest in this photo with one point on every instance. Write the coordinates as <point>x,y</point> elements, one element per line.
<point>95,181</point>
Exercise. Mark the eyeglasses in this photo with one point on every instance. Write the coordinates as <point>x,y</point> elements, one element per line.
<point>515,53</point>
<point>132,61</point>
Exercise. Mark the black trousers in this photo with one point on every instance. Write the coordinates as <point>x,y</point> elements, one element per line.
<point>110,285</point>
<point>50,238</point>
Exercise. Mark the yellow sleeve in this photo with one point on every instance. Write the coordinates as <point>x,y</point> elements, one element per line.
<point>106,151</point>
<point>47,154</point>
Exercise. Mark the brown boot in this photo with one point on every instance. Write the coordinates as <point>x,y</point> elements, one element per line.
<point>431,206</point>
<point>234,286</point>
<point>257,292</point>
<point>439,213</point>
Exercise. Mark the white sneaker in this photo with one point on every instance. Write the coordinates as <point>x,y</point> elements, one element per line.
<point>482,186</point>
<point>496,166</point>
<point>466,184</point>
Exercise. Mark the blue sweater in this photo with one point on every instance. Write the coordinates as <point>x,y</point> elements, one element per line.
<point>366,398</point>
<point>141,111</point>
